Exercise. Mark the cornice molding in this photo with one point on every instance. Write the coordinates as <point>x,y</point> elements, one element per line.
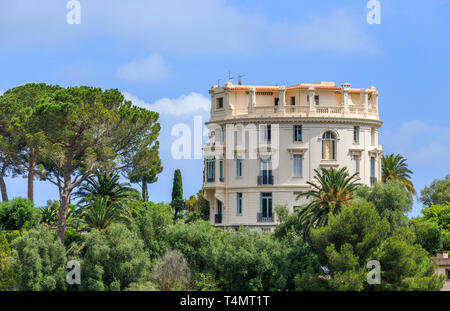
<point>288,120</point>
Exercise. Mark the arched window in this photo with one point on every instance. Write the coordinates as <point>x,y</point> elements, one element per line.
<point>328,146</point>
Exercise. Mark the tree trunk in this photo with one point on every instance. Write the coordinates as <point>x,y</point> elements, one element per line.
<point>31,175</point>
<point>144,190</point>
<point>63,207</point>
<point>31,182</point>
<point>3,189</point>
<point>64,194</point>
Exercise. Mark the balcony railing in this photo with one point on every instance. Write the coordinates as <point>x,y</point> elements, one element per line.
<point>210,179</point>
<point>260,218</point>
<point>218,218</point>
<point>265,180</point>
<point>305,110</point>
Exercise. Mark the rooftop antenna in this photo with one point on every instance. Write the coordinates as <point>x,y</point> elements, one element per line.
<point>229,76</point>
<point>240,79</point>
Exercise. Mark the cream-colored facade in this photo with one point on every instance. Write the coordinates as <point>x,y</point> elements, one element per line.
<point>443,268</point>
<point>266,141</point>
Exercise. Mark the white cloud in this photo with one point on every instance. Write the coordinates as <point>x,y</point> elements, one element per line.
<point>184,105</point>
<point>424,145</point>
<point>150,69</point>
<point>198,26</point>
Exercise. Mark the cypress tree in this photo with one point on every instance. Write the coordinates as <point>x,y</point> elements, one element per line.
<point>177,194</point>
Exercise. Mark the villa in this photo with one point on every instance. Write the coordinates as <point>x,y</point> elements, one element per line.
<point>266,141</point>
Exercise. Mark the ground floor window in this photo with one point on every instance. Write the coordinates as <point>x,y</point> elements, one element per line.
<point>239,203</point>
<point>266,207</point>
<point>373,176</point>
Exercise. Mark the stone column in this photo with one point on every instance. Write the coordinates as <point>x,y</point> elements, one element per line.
<point>345,94</point>
<point>366,101</point>
<point>252,99</point>
<point>282,99</point>
<point>311,93</point>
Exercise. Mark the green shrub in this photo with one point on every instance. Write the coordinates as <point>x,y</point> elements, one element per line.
<point>429,235</point>
<point>205,282</point>
<point>6,274</point>
<point>11,235</point>
<point>16,213</point>
<point>72,236</point>
<point>39,261</point>
<point>199,242</point>
<point>143,287</point>
<point>114,258</point>
<point>391,199</point>
<point>152,222</point>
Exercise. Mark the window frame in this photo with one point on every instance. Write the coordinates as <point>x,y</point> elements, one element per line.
<point>238,167</point>
<point>356,132</point>
<point>239,198</point>
<point>296,133</point>
<point>219,103</point>
<point>211,169</point>
<point>299,167</point>
<point>332,139</point>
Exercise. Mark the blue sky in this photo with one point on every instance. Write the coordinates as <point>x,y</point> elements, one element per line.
<point>165,55</point>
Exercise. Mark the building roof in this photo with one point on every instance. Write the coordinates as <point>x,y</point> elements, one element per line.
<point>302,86</point>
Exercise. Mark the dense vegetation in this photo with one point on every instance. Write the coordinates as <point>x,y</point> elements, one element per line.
<point>86,141</point>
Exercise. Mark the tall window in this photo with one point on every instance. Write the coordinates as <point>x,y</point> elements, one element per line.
<point>292,100</point>
<point>298,165</point>
<point>266,207</point>
<point>219,207</point>
<point>221,169</point>
<point>218,216</point>
<point>210,169</point>
<point>266,132</point>
<point>219,103</point>
<point>265,167</point>
<point>328,146</point>
<point>238,167</point>
<point>276,101</point>
<point>373,176</point>
<point>356,134</point>
<point>239,203</point>
<point>297,133</point>
<point>356,164</point>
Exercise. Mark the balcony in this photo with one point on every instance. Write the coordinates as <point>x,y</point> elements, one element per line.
<point>210,179</point>
<point>260,218</point>
<point>318,111</point>
<point>218,218</point>
<point>265,180</point>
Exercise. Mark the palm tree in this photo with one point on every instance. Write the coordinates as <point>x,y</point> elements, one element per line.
<point>105,185</point>
<point>100,212</point>
<point>333,189</point>
<point>394,167</point>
